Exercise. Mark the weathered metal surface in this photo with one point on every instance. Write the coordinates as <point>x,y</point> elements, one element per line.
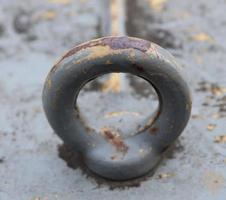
<point>109,153</point>
<point>30,167</point>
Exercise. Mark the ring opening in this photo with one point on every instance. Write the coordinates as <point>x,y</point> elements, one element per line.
<point>118,101</point>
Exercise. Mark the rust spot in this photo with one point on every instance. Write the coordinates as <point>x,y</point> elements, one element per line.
<point>138,67</point>
<point>153,130</point>
<point>115,139</point>
<point>98,52</point>
<point>114,43</point>
<point>80,47</point>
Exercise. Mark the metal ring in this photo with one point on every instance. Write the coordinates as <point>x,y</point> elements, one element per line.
<point>107,153</point>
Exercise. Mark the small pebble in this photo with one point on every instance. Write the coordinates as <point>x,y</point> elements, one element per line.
<point>2,160</point>
<point>22,22</point>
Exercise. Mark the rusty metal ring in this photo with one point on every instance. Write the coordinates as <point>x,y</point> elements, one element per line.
<point>121,158</point>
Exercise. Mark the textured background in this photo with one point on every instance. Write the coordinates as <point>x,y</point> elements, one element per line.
<point>33,34</point>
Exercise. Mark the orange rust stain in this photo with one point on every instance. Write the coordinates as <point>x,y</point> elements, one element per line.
<point>115,139</point>
<point>99,52</point>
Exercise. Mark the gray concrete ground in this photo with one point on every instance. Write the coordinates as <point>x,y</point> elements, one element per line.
<point>32,36</point>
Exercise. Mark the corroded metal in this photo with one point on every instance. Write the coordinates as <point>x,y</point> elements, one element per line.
<point>108,153</point>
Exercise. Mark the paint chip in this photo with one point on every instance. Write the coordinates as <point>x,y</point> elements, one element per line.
<point>211,127</point>
<point>202,37</point>
<point>220,139</point>
<point>165,175</point>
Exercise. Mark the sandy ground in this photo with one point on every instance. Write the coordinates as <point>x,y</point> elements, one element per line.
<point>32,36</point>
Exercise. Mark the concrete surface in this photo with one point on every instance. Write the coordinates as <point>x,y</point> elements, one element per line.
<point>30,168</point>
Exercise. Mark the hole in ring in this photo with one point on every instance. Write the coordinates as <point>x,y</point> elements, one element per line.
<point>120,102</point>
